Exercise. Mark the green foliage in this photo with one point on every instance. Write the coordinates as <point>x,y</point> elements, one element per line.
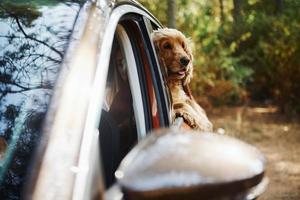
<point>257,56</point>
<point>273,53</point>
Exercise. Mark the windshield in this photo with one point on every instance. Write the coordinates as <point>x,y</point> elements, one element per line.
<point>33,38</point>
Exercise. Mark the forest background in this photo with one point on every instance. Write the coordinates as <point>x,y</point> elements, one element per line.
<point>245,50</point>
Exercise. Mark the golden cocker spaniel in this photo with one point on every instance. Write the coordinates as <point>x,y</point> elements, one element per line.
<point>175,54</point>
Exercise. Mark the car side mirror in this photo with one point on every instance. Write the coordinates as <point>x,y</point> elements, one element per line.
<point>170,164</point>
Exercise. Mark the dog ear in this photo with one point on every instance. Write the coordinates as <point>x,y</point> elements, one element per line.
<point>189,75</point>
<point>156,37</point>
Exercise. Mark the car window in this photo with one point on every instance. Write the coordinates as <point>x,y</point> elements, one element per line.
<point>149,98</point>
<point>151,26</point>
<point>118,128</point>
<point>149,73</point>
<point>121,126</point>
<point>33,38</point>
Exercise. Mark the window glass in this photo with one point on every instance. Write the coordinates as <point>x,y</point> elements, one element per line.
<point>33,39</point>
<point>118,132</point>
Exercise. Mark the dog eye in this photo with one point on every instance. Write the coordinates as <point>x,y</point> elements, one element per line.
<point>183,45</point>
<point>167,46</point>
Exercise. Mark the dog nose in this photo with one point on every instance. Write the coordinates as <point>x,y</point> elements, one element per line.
<point>184,61</point>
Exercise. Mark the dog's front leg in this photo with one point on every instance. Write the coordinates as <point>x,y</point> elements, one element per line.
<point>194,119</point>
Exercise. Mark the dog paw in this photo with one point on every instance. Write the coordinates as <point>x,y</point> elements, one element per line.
<point>203,125</point>
<point>188,119</point>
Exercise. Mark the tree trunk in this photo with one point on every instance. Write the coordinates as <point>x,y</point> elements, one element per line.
<point>222,12</point>
<point>278,6</point>
<point>171,14</point>
<point>237,14</point>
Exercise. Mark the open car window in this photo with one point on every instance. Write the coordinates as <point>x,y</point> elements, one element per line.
<point>133,101</point>
<point>119,125</point>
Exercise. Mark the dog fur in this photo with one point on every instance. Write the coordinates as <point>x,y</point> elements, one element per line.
<point>175,54</point>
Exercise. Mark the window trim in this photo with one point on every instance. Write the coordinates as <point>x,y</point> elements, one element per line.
<point>158,83</point>
<point>134,83</point>
<point>142,74</point>
<point>156,73</point>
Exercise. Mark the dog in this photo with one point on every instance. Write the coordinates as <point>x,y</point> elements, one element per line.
<point>175,55</point>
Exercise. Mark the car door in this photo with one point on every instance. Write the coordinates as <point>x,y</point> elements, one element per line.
<point>135,100</point>
<point>68,163</point>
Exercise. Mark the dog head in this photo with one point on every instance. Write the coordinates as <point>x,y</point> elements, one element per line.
<point>174,50</point>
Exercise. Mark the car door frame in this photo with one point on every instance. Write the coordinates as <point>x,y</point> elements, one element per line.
<point>94,110</point>
<point>73,131</point>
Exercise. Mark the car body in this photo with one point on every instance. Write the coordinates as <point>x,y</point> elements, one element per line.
<point>76,60</point>
<point>81,64</point>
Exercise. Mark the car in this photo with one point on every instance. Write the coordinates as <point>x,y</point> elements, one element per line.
<point>81,91</point>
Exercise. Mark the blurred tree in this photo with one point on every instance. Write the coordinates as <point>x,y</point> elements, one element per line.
<point>171,13</point>
<point>237,13</point>
<point>279,6</point>
<point>222,12</point>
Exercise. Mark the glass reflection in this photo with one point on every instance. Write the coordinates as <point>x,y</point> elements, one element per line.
<point>33,39</point>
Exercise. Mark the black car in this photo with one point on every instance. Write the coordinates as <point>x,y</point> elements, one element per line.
<point>80,86</point>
